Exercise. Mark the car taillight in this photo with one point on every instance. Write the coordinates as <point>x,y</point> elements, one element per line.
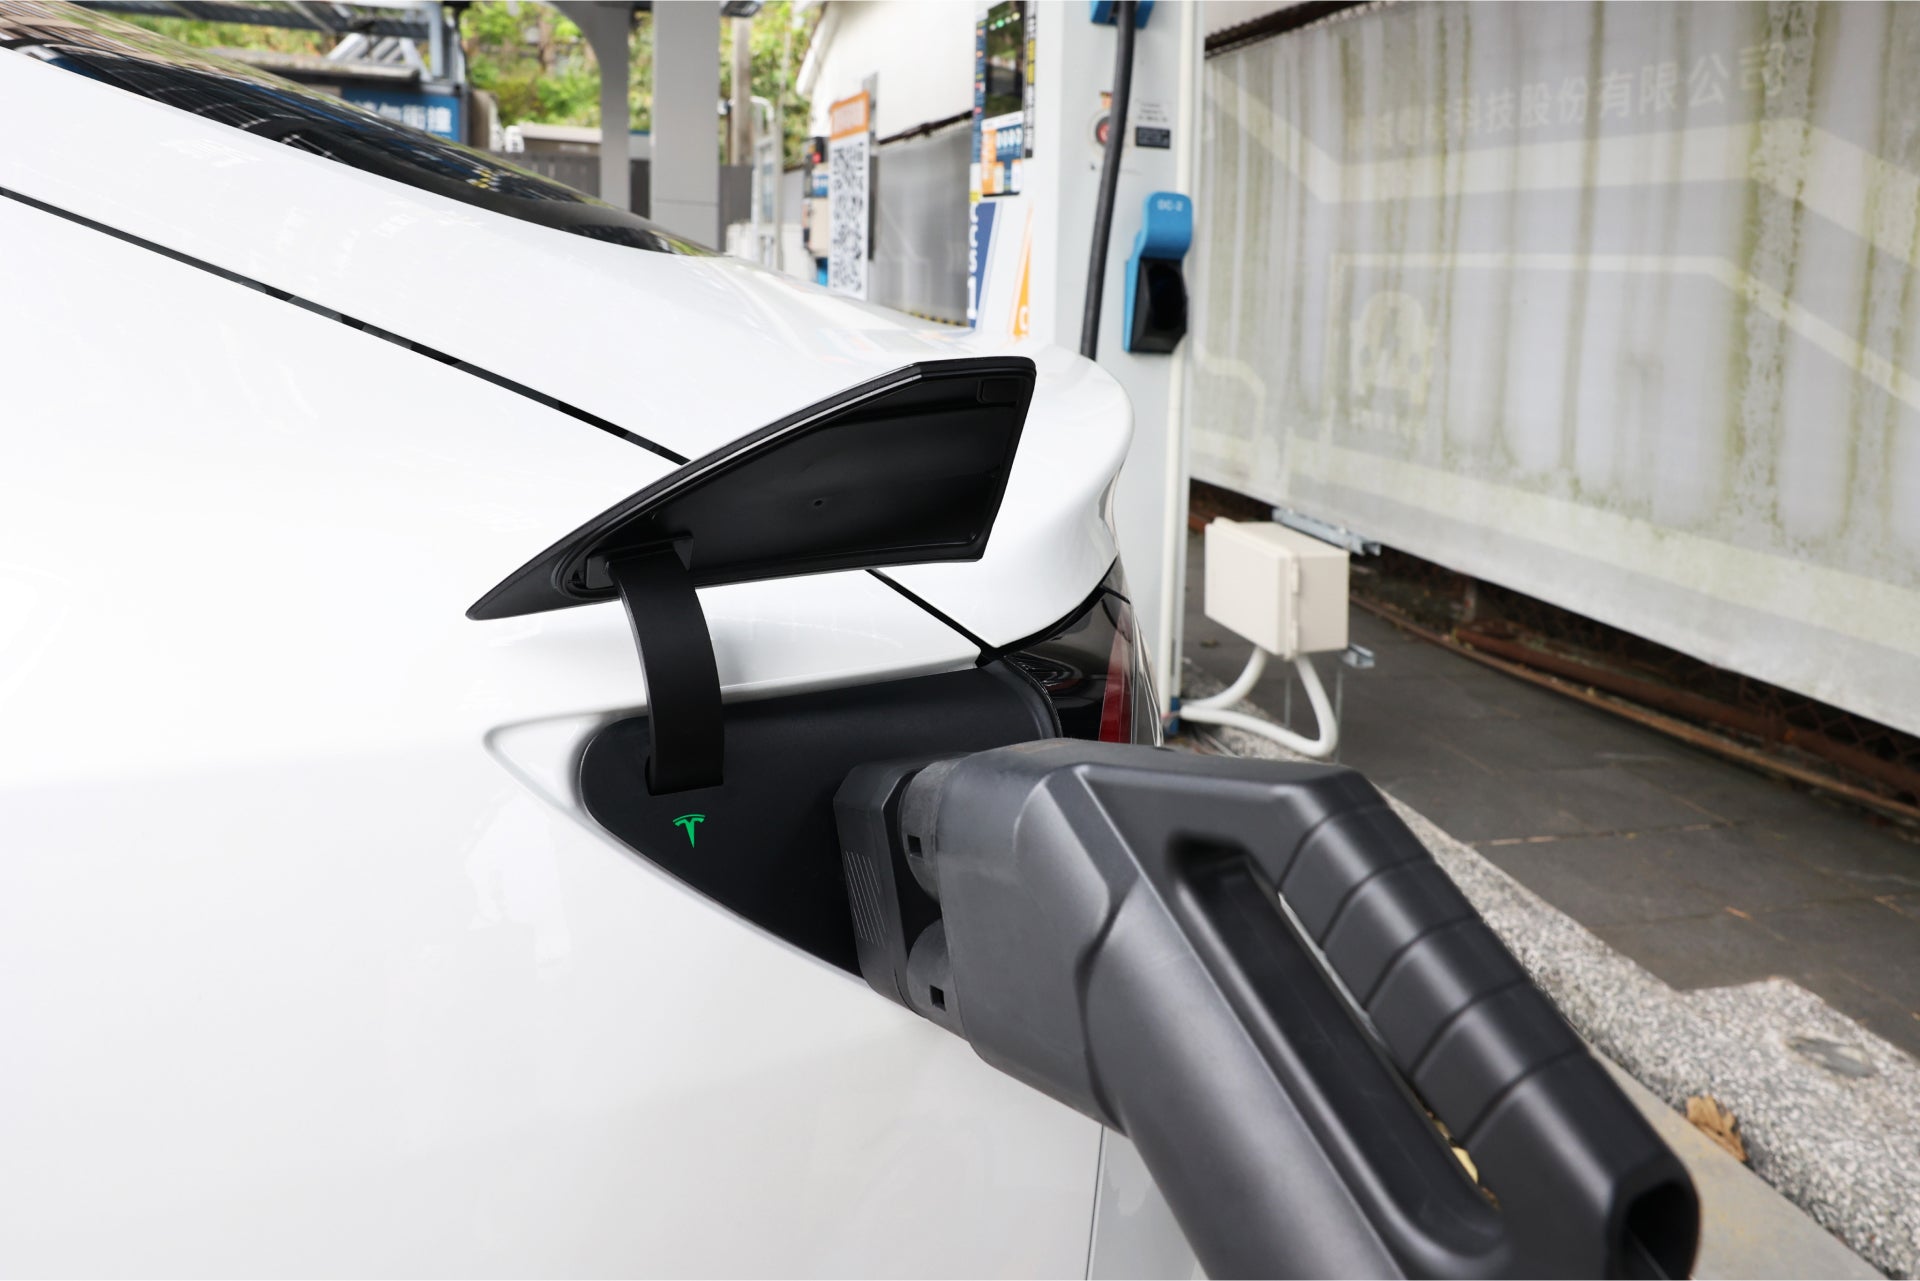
<point>1094,670</point>
<point>1116,701</point>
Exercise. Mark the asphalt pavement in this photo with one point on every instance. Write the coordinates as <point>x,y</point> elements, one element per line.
<point>1708,929</point>
<point>1705,872</point>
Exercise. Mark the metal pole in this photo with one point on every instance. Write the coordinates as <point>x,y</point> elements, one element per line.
<point>608,28</point>
<point>779,262</point>
<point>740,113</point>
<point>686,88</point>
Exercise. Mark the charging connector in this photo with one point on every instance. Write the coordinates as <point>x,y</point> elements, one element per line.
<point>1105,923</point>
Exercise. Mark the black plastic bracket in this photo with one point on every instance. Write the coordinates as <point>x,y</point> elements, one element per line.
<point>687,736</point>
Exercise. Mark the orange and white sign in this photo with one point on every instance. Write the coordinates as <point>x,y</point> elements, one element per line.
<point>850,116</point>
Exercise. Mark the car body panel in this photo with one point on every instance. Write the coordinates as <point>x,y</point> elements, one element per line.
<point>311,962</point>
<point>688,352</point>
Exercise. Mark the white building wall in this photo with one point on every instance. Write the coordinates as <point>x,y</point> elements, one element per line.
<point>921,54</point>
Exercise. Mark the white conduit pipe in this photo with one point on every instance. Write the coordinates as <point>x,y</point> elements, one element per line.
<point>1242,686</point>
<point>1213,710</point>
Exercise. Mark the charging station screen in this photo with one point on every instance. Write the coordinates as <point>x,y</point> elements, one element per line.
<point>1006,58</point>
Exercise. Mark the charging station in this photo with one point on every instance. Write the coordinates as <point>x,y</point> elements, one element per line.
<point>1044,98</point>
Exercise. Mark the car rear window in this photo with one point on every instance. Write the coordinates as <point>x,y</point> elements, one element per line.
<point>232,93</point>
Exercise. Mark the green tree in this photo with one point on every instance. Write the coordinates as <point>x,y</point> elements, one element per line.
<point>232,35</point>
<point>533,60</point>
<point>540,69</point>
<point>777,44</point>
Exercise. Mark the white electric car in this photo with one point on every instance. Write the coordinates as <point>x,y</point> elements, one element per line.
<point>320,952</point>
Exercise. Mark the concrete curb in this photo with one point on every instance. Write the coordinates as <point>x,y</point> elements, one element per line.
<point>1844,1148</point>
<point>1748,1231</point>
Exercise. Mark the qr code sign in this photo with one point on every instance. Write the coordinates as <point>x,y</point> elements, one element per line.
<point>847,193</point>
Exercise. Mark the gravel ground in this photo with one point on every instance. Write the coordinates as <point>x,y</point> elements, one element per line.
<point>1841,1139</point>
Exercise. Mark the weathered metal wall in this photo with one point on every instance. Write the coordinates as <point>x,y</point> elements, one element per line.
<point>920,211</point>
<point>1614,304</point>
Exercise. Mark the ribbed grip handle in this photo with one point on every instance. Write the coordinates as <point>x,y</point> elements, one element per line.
<point>1459,1015</point>
<point>1485,1049</point>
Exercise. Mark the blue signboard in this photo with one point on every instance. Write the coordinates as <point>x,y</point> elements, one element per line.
<point>436,113</point>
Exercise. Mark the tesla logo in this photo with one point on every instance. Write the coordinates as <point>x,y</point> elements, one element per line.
<point>689,822</point>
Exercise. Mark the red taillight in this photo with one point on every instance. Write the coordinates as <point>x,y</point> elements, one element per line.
<point>1091,668</point>
<point>1116,701</point>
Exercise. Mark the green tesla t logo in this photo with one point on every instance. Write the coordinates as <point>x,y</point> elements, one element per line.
<point>689,822</point>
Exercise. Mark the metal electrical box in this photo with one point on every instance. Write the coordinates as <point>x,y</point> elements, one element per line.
<point>1282,590</point>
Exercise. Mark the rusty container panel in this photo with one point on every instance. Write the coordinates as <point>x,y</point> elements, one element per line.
<point>1614,304</point>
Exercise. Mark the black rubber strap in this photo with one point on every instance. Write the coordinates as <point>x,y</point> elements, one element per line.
<point>676,652</point>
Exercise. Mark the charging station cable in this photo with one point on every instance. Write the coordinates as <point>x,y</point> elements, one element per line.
<point>1213,709</point>
<point>1109,176</point>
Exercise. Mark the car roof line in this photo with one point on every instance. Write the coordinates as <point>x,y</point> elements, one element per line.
<point>352,322</point>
